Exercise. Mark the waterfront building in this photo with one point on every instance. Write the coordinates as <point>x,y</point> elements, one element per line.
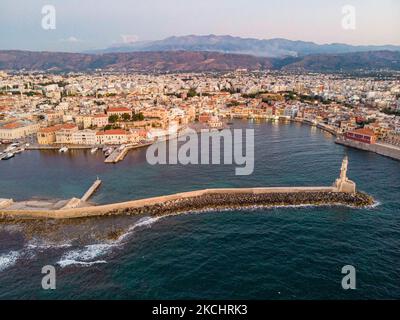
<point>65,134</point>
<point>84,137</point>
<point>47,135</point>
<point>362,135</point>
<point>113,136</point>
<point>18,129</point>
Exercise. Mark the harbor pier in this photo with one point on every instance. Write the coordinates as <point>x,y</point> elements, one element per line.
<point>119,154</point>
<point>342,192</point>
<point>91,190</point>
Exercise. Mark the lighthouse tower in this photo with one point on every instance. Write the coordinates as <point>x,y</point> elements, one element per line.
<point>343,184</point>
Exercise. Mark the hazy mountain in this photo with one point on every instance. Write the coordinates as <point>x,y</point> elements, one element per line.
<point>182,61</point>
<point>179,61</point>
<point>237,45</point>
<point>375,60</point>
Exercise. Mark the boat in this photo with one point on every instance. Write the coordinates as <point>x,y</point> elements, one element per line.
<point>11,147</point>
<point>108,152</point>
<point>106,149</point>
<point>94,150</point>
<point>9,155</point>
<point>19,150</point>
<point>63,149</point>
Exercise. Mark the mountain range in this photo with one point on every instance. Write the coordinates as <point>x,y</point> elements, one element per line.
<point>211,53</point>
<point>272,48</point>
<point>196,61</point>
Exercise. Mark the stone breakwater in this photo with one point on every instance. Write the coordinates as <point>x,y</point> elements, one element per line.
<point>245,200</point>
<point>203,200</point>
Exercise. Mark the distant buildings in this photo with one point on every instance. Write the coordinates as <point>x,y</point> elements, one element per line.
<point>119,111</point>
<point>18,129</point>
<point>76,109</point>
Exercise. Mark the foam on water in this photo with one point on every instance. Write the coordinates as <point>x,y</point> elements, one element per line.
<point>9,259</point>
<point>87,255</point>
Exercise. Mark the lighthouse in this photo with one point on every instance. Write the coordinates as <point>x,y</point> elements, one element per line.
<point>343,184</point>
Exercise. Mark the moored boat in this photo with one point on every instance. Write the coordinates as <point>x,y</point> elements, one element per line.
<point>8,155</point>
<point>19,150</point>
<point>63,149</point>
<point>108,152</point>
<point>94,150</point>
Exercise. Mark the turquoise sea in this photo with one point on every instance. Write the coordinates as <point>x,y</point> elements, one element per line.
<point>274,253</point>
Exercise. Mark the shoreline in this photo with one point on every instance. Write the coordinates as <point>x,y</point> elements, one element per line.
<point>384,150</point>
<point>203,199</point>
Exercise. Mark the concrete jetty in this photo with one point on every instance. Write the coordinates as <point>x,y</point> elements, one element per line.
<point>91,190</point>
<point>76,203</point>
<point>119,154</point>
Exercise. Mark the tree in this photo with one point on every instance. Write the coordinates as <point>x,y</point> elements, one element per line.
<point>138,117</point>
<point>126,117</point>
<point>113,118</point>
<point>192,93</point>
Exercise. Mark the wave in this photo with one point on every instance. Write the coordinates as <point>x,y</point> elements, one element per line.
<point>87,255</point>
<point>43,245</point>
<point>9,259</point>
<point>66,263</point>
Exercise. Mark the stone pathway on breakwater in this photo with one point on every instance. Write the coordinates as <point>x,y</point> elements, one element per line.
<point>205,199</point>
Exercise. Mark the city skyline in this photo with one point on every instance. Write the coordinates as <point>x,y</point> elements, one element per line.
<point>79,27</point>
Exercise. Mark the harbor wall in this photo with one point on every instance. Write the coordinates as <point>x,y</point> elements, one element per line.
<point>245,196</point>
<point>379,148</point>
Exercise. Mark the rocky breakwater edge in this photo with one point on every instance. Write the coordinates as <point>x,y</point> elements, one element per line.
<point>224,201</point>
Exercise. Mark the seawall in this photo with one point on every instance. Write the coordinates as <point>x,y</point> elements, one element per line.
<point>203,199</point>
<point>379,148</point>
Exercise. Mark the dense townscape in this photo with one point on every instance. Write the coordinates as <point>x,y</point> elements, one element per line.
<point>42,110</point>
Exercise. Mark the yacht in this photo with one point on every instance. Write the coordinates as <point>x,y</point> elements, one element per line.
<point>108,152</point>
<point>63,149</point>
<point>8,155</point>
<point>11,147</point>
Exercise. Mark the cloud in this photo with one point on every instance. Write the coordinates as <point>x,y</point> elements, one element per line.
<point>71,39</point>
<point>129,38</point>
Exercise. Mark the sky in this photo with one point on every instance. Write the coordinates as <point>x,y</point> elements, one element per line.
<point>93,24</point>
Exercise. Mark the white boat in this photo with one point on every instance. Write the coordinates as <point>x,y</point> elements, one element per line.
<point>106,149</point>
<point>9,155</point>
<point>108,152</point>
<point>94,150</point>
<point>10,148</point>
<point>63,149</point>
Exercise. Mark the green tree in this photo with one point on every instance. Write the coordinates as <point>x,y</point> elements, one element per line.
<point>192,93</point>
<point>126,117</point>
<point>138,117</point>
<point>113,118</point>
